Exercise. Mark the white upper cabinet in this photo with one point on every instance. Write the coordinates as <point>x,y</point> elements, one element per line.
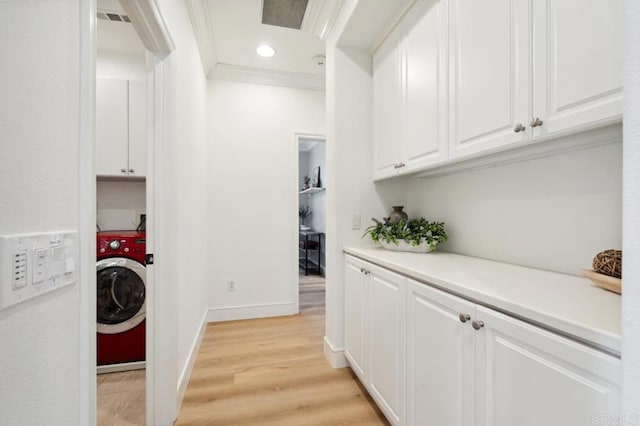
<point>121,128</point>
<point>410,92</point>
<point>578,64</point>
<point>387,89</point>
<point>137,128</point>
<point>425,71</point>
<point>527,71</point>
<point>489,75</point>
<point>112,129</point>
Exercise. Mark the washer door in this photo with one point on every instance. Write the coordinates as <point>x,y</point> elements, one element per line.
<point>121,294</point>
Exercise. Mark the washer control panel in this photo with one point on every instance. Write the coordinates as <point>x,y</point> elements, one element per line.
<point>36,264</point>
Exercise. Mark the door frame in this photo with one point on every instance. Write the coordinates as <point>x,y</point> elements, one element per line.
<point>161,368</point>
<point>297,137</point>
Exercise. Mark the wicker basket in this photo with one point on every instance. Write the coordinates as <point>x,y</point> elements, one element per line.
<point>608,262</point>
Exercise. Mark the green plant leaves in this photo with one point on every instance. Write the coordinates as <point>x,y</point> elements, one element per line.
<point>413,231</point>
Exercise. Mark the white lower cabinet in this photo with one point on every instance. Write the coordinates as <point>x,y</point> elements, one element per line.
<point>387,341</point>
<point>375,333</point>
<point>428,357</point>
<point>440,358</point>
<point>528,376</point>
<point>355,331</point>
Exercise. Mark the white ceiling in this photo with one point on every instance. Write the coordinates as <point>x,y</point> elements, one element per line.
<point>229,31</point>
<point>237,30</point>
<point>305,145</point>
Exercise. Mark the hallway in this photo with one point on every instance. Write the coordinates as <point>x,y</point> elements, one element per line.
<point>272,371</point>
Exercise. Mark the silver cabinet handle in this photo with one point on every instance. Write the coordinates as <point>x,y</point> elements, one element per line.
<point>477,324</point>
<point>536,122</point>
<point>123,170</point>
<point>131,171</point>
<point>464,317</point>
<point>519,128</point>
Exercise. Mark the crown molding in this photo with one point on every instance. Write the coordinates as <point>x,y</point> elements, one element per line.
<point>395,21</point>
<point>149,24</point>
<point>253,75</point>
<point>319,18</point>
<point>200,22</point>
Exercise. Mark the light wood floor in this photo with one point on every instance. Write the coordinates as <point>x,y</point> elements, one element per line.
<point>272,371</point>
<point>121,398</point>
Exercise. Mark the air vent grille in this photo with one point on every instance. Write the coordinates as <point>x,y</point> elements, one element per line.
<point>116,17</point>
<point>284,13</point>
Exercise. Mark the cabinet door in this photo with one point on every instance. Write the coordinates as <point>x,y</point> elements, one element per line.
<point>355,302</point>
<point>387,114</point>
<point>489,75</point>
<point>440,358</point>
<point>137,128</point>
<point>112,130</point>
<point>578,64</point>
<point>425,56</point>
<point>387,341</point>
<point>527,376</point>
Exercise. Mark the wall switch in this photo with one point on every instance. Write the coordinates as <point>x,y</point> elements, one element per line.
<point>35,264</point>
<point>231,285</point>
<point>357,222</point>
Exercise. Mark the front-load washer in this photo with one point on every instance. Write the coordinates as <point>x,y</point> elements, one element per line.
<point>121,300</point>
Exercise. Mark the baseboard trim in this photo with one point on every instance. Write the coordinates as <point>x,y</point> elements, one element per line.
<point>183,382</point>
<point>232,313</point>
<point>125,366</point>
<point>335,356</point>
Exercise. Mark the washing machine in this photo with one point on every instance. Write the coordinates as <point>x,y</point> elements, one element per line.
<point>121,300</point>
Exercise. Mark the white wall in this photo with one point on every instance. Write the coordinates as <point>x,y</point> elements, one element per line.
<point>251,191</point>
<point>631,247</point>
<point>349,157</point>
<point>552,213</point>
<point>39,117</point>
<point>185,177</point>
<point>113,65</point>
<point>119,204</point>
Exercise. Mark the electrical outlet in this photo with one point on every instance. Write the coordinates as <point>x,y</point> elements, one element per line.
<point>231,285</point>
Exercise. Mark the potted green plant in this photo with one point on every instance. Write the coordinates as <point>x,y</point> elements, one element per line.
<point>303,213</point>
<point>416,235</point>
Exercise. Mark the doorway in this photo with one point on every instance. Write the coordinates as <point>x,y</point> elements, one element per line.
<point>311,187</point>
<point>159,404</point>
<point>121,190</point>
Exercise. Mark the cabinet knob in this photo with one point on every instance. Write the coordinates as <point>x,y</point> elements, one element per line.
<point>131,171</point>
<point>362,270</point>
<point>477,324</point>
<point>395,166</point>
<point>519,128</point>
<point>536,122</point>
<point>464,317</point>
<point>123,170</point>
<point>401,165</point>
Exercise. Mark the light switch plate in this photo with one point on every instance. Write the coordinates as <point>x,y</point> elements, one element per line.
<point>35,264</point>
<point>357,221</point>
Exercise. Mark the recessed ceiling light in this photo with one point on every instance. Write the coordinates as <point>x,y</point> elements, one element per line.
<point>265,51</point>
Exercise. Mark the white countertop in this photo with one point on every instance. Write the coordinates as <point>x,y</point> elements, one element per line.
<point>569,304</point>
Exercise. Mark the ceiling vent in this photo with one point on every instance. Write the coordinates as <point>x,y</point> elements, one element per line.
<point>109,16</point>
<point>284,13</point>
